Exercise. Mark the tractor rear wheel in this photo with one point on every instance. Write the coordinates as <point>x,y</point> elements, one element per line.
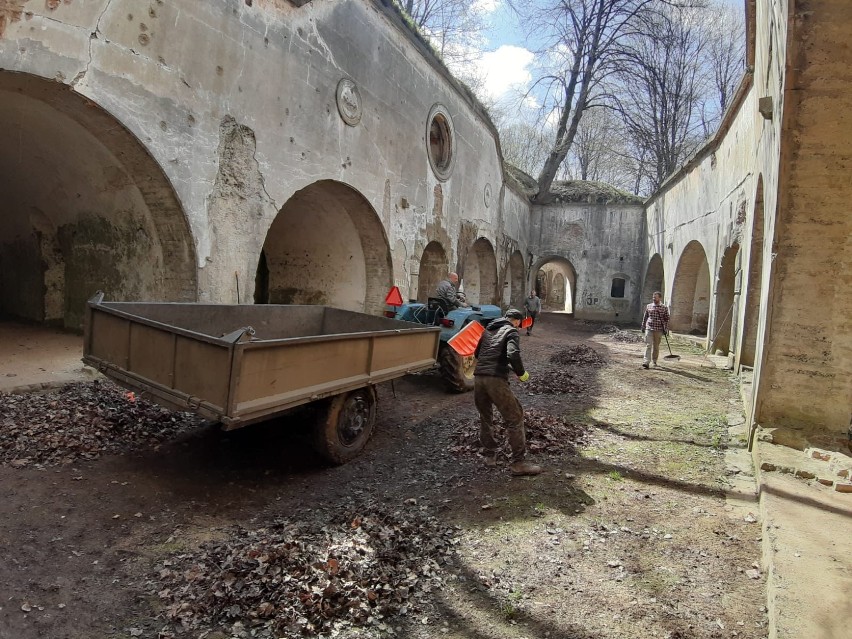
<point>345,425</point>
<point>456,370</point>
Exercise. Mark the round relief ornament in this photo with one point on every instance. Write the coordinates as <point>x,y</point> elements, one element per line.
<point>348,102</point>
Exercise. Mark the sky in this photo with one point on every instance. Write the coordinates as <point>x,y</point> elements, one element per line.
<point>507,62</point>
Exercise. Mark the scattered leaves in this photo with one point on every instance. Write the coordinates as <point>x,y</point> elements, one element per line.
<point>82,421</point>
<point>307,579</point>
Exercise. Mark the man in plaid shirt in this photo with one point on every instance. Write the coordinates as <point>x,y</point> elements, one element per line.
<point>655,324</point>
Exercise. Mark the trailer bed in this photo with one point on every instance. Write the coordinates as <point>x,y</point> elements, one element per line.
<point>239,364</point>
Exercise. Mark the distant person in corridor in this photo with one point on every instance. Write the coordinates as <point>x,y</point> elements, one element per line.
<point>655,324</point>
<point>533,306</point>
<point>497,354</point>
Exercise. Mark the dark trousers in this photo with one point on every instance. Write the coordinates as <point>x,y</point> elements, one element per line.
<point>489,392</point>
<point>533,316</point>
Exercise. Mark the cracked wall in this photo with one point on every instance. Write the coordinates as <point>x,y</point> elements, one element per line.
<point>173,72</point>
<point>599,241</point>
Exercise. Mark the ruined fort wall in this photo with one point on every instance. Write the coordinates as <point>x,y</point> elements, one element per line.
<point>239,106</point>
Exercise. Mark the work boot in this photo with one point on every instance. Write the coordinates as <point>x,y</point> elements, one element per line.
<point>525,468</point>
<point>645,365</point>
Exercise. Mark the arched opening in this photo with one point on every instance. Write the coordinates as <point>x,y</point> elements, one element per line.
<point>654,279</point>
<point>726,297</point>
<point>513,287</point>
<point>755,282</point>
<point>690,309</point>
<point>555,284</point>
<point>433,268</point>
<point>559,292</point>
<point>327,246</point>
<point>479,280</point>
<point>86,208</point>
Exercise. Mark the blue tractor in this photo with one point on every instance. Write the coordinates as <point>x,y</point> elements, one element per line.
<point>457,371</point>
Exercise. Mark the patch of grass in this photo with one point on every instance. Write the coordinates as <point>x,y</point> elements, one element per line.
<point>509,607</point>
<point>614,475</point>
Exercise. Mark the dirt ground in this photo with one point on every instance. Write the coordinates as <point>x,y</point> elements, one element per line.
<point>626,534</point>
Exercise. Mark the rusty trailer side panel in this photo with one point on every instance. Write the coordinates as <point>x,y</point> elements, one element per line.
<point>213,359</point>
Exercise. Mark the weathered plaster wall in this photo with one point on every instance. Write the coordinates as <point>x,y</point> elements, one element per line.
<point>237,105</point>
<point>599,241</point>
<point>807,379</point>
<point>768,201</point>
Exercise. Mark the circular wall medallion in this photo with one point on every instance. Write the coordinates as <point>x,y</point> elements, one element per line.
<point>348,102</point>
<point>440,145</point>
<point>486,195</point>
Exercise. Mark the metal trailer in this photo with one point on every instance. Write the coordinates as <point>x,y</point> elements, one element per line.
<point>240,364</point>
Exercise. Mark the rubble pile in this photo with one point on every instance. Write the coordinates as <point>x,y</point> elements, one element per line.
<point>578,355</point>
<point>368,569</point>
<point>545,433</point>
<point>82,421</point>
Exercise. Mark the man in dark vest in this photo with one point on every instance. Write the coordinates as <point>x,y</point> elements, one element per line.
<point>499,353</point>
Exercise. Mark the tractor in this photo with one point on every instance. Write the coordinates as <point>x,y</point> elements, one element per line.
<point>457,371</point>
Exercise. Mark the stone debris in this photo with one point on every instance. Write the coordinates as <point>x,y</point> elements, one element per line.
<point>82,421</point>
<point>295,578</point>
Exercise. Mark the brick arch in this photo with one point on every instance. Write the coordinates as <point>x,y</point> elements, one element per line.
<point>543,275</point>
<point>434,267</point>
<point>86,208</point>
<point>514,286</point>
<point>655,279</point>
<point>690,307</point>
<point>479,280</point>
<point>751,315</point>
<point>328,246</point>
<point>726,300</point>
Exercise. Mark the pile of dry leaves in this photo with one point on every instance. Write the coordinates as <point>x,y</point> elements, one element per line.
<point>628,337</point>
<point>546,433</point>
<point>82,421</point>
<point>577,355</point>
<point>551,381</point>
<point>299,579</point>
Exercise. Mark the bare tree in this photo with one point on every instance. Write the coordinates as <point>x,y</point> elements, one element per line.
<point>456,30</point>
<point>524,145</point>
<point>724,57</point>
<point>659,87</point>
<point>454,27</point>
<point>582,39</point>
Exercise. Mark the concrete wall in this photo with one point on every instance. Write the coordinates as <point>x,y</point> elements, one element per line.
<point>767,200</point>
<point>237,107</point>
<point>599,241</point>
<point>807,378</point>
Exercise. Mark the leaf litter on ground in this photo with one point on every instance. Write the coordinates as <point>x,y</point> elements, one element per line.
<point>545,433</point>
<point>364,568</point>
<point>83,421</point>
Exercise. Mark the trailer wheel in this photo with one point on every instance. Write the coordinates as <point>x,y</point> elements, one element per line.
<point>345,426</point>
<point>456,370</point>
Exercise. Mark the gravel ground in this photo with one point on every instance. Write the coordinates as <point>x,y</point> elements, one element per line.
<point>121,519</point>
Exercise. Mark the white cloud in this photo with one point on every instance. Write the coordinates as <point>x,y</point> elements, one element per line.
<point>485,6</point>
<point>506,70</point>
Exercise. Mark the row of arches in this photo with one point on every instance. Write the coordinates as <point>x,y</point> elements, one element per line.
<point>694,292</point>
<point>87,208</point>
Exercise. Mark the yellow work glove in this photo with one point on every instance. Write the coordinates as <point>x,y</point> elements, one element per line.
<point>525,377</point>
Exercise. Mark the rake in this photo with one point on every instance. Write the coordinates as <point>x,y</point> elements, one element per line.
<point>671,355</point>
